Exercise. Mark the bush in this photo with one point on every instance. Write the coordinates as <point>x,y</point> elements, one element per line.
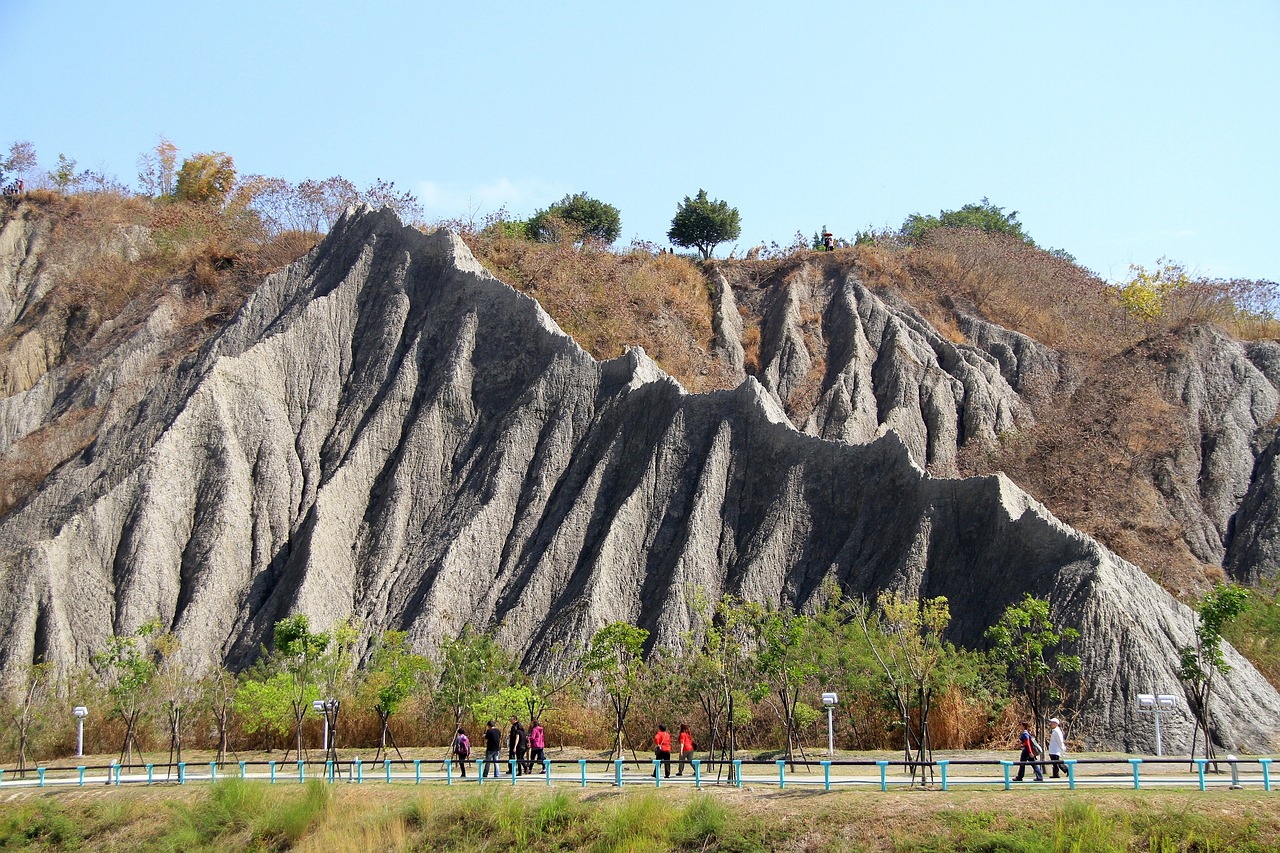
<point>578,218</point>
<point>983,216</point>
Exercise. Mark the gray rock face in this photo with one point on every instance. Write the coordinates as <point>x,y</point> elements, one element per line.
<point>1230,405</point>
<point>386,431</point>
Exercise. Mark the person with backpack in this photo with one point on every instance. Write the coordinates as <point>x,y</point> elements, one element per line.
<point>462,749</point>
<point>1030,751</point>
<point>686,748</point>
<point>662,751</point>
<point>518,746</point>
<point>492,747</point>
<point>538,741</point>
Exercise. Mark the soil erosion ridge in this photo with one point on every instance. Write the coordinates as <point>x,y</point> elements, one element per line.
<point>388,432</point>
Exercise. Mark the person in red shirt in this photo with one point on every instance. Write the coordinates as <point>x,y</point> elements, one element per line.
<point>662,751</point>
<point>686,748</point>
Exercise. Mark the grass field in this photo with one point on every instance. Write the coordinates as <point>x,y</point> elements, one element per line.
<point>256,816</point>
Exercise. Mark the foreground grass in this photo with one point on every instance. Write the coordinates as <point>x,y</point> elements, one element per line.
<point>256,816</point>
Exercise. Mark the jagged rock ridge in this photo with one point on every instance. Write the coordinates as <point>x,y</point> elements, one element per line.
<point>386,431</point>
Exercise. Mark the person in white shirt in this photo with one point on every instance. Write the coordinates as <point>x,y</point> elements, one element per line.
<point>1057,746</point>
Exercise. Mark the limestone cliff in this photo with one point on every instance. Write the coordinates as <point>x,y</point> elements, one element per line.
<point>388,432</point>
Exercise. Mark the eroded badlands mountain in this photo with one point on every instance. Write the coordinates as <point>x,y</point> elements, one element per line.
<point>386,431</point>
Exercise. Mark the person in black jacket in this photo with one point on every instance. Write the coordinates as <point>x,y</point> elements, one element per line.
<point>518,745</point>
<point>492,747</point>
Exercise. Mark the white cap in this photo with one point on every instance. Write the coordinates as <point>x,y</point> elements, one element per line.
<point>1056,721</point>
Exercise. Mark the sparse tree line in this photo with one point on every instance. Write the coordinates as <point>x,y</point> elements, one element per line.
<point>750,676</point>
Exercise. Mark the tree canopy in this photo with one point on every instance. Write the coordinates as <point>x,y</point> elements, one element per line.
<point>578,217</point>
<point>983,216</point>
<point>702,223</point>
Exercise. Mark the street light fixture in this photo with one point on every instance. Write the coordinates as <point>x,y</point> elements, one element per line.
<point>830,700</point>
<point>1156,704</point>
<point>81,712</point>
<point>322,707</point>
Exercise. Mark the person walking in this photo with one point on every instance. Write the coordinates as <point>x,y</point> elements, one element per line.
<point>517,746</point>
<point>538,741</point>
<point>1057,746</point>
<point>1030,749</point>
<point>662,751</point>
<point>686,748</point>
<point>492,748</point>
<point>462,749</point>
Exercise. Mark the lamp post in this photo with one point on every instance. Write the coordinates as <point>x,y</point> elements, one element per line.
<point>1156,704</point>
<point>830,700</point>
<point>320,707</point>
<point>81,712</point>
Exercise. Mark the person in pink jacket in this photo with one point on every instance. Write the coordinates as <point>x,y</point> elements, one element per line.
<point>538,741</point>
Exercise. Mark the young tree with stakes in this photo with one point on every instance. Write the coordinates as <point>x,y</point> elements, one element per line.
<point>395,673</point>
<point>1200,661</point>
<point>1024,640</point>
<point>614,659</point>
<point>37,686</point>
<point>128,666</point>
<point>299,652</point>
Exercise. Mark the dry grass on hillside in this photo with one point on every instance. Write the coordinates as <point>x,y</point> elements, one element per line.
<point>114,260</point>
<point>607,301</point>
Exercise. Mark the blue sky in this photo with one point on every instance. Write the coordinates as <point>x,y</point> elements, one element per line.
<point>1120,131</point>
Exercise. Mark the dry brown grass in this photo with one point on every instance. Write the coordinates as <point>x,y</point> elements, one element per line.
<point>607,301</point>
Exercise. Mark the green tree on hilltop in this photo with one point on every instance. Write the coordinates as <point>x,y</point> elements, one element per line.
<point>983,216</point>
<point>206,178</point>
<point>578,217</point>
<point>702,223</point>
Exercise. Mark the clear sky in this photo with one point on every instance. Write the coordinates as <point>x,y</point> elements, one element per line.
<point>1120,131</point>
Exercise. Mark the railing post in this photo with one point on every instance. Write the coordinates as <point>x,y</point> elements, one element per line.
<point>118,767</point>
<point>1235,772</point>
<point>213,771</point>
<point>448,766</point>
<point>737,771</point>
<point>826,775</point>
<point>697,773</point>
<point>1266,773</point>
<point>448,771</point>
<point>242,770</point>
<point>546,768</point>
<point>150,768</point>
<point>182,772</point>
<point>272,765</point>
<point>1008,782</point>
<point>1137,781</point>
<point>40,770</point>
<point>1071,773</point>
<point>657,776</point>
<point>328,770</point>
<point>1200,763</point>
<point>359,771</point>
<point>417,771</point>
<point>884,777</point>
<point>302,772</point>
<point>515,767</point>
<point>782,774</point>
<point>582,765</point>
<point>943,765</point>
<point>480,762</point>
<point>81,769</point>
<point>617,771</point>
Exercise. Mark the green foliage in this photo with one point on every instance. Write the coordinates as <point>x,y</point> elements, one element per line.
<point>395,672</point>
<point>264,706</point>
<point>1146,293</point>
<point>983,216</point>
<point>471,666</point>
<point>206,178</point>
<point>1025,640</point>
<point>702,223</point>
<point>1199,662</point>
<point>1255,633</point>
<point>579,217</point>
<point>614,659</point>
<point>63,176</point>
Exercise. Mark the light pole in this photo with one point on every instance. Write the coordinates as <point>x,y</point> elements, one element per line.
<point>320,706</point>
<point>830,700</point>
<point>1156,704</point>
<point>81,712</point>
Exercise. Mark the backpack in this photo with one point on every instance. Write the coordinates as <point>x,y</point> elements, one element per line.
<point>462,746</point>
